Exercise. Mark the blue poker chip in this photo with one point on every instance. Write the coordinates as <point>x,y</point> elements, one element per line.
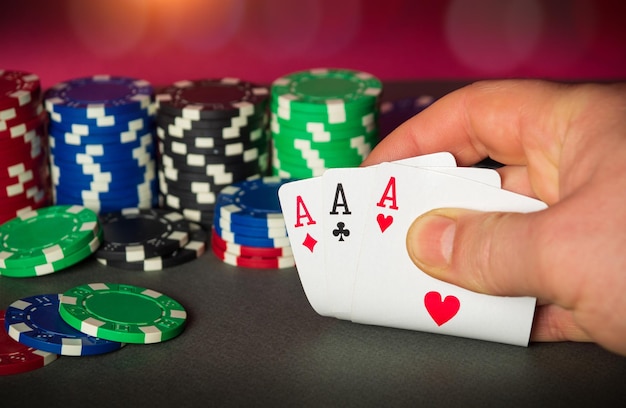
<point>122,156</point>
<point>106,138</point>
<point>394,113</point>
<point>35,322</point>
<point>94,183</point>
<point>142,123</point>
<point>105,207</point>
<point>98,149</point>
<point>234,238</point>
<point>130,193</point>
<point>252,202</point>
<point>90,168</point>
<point>77,117</point>
<point>250,231</point>
<point>101,95</point>
<point>127,177</point>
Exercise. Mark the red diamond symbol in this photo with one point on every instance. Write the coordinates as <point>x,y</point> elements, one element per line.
<point>309,242</point>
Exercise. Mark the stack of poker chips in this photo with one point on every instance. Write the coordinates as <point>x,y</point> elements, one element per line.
<point>24,173</point>
<point>211,133</point>
<point>149,239</point>
<point>321,119</point>
<point>249,228</point>
<point>102,143</point>
<point>47,240</point>
<point>86,320</point>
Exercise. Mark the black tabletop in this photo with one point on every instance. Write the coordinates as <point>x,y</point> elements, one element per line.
<point>252,339</point>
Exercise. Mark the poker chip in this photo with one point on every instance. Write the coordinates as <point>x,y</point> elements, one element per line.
<point>18,89</point>
<point>322,118</point>
<point>248,226</point>
<point>212,98</point>
<point>24,175</point>
<point>277,262</point>
<point>193,249</point>
<point>209,131</point>
<point>34,321</point>
<point>122,313</point>
<point>247,251</point>
<point>241,229</point>
<point>16,357</point>
<point>55,266</point>
<point>395,112</point>
<point>98,96</point>
<point>46,235</point>
<point>134,234</point>
<point>252,202</point>
<point>101,131</point>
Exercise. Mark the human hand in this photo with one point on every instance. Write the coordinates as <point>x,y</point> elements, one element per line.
<point>562,144</point>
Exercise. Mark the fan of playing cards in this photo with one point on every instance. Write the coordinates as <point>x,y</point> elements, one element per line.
<point>348,230</point>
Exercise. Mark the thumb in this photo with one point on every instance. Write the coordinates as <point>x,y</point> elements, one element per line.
<point>486,252</point>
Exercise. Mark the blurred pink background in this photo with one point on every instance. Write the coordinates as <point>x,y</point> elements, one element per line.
<point>163,41</point>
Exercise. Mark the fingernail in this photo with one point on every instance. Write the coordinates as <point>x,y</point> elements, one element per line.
<point>430,240</point>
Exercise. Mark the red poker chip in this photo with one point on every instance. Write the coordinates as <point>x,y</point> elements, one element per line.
<point>248,251</point>
<point>22,172</point>
<point>18,88</point>
<point>15,116</point>
<point>9,132</point>
<point>17,358</point>
<point>279,262</point>
<point>18,188</point>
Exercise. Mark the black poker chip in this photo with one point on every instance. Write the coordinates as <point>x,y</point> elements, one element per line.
<point>134,234</point>
<point>198,239</point>
<point>192,201</point>
<point>165,120</point>
<point>219,136</point>
<point>173,146</point>
<point>242,169</point>
<point>213,98</point>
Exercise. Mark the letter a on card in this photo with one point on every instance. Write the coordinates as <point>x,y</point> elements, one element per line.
<point>388,201</point>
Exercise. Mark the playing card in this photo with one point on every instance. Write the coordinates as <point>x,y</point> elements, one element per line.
<point>345,195</point>
<point>391,291</point>
<point>301,204</point>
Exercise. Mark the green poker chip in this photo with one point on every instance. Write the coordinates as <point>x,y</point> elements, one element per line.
<point>318,90</point>
<point>313,160</point>
<point>336,115</point>
<point>55,266</point>
<point>299,144</point>
<point>46,235</point>
<point>123,313</point>
<point>311,124</point>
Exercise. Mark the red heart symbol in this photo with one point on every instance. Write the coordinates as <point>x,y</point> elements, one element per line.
<point>384,221</point>
<point>441,310</point>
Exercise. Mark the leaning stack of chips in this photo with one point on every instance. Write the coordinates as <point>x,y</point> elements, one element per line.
<point>211,133</point>
<point>24,174</point>
<point>47,240</point>
<point>86,320</point>
<point>321,119</point>
<point>149,239</point>
<point>249,228</point>
<point>101,142</point>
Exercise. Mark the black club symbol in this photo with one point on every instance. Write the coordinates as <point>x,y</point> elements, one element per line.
<point>341,231</point>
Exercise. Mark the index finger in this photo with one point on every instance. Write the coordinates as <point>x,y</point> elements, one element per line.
<point>503,119</point>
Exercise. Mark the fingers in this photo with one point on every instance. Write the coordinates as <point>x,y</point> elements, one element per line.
<point>493,253</point>
<point>553,323</point>
<point>499,119</point>
<point>515,178</point>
